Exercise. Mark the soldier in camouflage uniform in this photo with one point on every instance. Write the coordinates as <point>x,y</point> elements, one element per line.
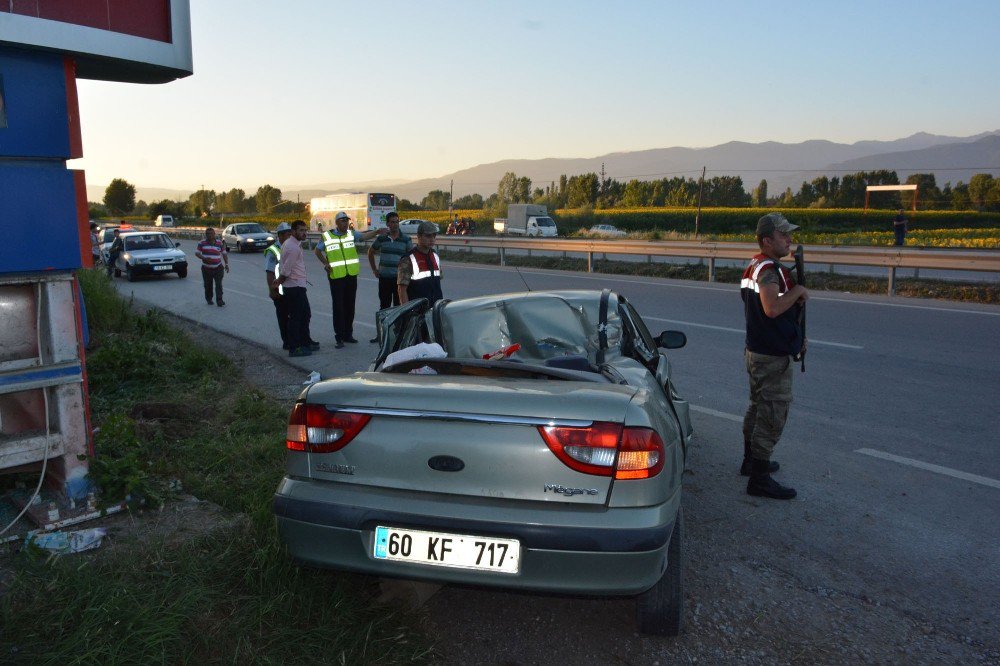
<point>771,301</point>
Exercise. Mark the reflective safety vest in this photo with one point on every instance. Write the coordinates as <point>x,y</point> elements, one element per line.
<point>341,254</point>
<point>426,279</point>
<point>275,249</point>
<point>778,336</point>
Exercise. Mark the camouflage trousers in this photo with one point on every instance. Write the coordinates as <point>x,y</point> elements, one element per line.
<point>770,397</point>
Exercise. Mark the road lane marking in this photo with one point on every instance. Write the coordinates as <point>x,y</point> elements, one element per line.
<point>314,310</point>
<point>904,305</point>
<point>663,283</point>
<point>570,274</point>
<point>740,330</point>
<point>714,412</point>
<point>947,471</point>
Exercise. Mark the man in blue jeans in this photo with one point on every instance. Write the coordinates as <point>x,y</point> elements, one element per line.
<point>899,226</point>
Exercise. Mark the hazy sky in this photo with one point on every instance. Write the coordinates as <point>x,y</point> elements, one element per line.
<point>307,92</point>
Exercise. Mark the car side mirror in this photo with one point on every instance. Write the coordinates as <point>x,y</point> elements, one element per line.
<point>671,340</point>
<point>177,244</point>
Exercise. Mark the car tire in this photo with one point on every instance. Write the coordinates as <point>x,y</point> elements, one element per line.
<point>118,272</point>
<point>129,273</point>
<point>239,247</point>
<point>182,272</point>
<point>660,609</point>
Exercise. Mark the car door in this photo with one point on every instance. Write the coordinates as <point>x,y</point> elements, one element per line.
<point>227,236</point>
<point>401,326</point>
<point>658,364</point>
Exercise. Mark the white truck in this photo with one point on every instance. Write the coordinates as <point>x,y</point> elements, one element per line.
<point>526,220</point>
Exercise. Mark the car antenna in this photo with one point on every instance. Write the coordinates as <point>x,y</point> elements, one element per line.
<point>516,269</point>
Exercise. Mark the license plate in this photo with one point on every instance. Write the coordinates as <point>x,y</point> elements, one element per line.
<point>438,549</point>
<point>162,268</point>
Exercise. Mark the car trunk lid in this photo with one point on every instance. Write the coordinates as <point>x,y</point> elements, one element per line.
<point>471,436</point>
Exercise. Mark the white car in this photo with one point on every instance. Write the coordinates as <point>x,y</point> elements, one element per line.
<point>149,253</point>
<point>607,230</point>
<point>409,226</point>
<point>247,237</point>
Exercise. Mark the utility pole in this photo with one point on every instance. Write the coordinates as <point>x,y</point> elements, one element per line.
<point>701,190</point>
<point>451,198</point>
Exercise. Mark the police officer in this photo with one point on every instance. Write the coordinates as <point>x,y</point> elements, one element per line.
<point>771,301</point>
<point>339,256</point>
<point>272,267</point>
<point>419,273</point>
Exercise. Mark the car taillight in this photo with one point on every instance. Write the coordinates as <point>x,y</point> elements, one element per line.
<point>641,454</point>
<point>317,429</point>
<point>606,449</point>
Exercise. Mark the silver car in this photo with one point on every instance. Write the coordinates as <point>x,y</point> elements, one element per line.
<point>247,237</point>
<point>409,226</point>
<point>609,230</point>
<point>149,253</point>
<point>553,464</point>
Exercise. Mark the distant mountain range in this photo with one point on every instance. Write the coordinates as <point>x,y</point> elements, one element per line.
<point>783,165</point>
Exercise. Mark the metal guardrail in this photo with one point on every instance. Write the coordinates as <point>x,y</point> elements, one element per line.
<point>892,258</point>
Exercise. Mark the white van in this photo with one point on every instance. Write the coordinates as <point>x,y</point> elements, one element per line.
<point>164,220</point>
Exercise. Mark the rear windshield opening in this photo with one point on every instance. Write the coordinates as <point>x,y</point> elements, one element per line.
<point>470,367</point>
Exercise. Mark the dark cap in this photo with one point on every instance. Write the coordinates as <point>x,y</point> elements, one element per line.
<point>767,225</point>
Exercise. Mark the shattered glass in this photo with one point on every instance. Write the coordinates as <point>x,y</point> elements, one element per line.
<point>546,325</point>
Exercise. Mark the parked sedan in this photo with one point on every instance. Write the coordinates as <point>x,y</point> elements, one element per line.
<point>149,253</point>
<point>247,237</point>
<point>607,230</point>
<point>409,226</point>
<point>528,441</point>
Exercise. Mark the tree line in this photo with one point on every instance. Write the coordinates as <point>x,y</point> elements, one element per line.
<point>119,199</point>
<point>590,190</point>
<point>982,192</point>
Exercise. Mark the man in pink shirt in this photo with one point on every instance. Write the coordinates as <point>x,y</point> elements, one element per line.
<point>292,279</point>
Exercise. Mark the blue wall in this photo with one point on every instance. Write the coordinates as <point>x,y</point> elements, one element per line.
<point>34,90</point>
<point>38,218</point>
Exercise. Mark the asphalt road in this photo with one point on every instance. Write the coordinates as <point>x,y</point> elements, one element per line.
<point>891,443</point>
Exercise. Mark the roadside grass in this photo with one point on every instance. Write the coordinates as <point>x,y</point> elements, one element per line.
<point>169,409</point>
<point>913,287</point>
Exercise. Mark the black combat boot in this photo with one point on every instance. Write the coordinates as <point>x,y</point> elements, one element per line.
<point>773,466</point>
<point>762,485</point>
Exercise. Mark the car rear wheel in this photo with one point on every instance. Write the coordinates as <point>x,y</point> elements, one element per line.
<point>660,609</point>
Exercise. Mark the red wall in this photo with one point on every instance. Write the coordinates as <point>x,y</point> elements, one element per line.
<point>140,18</point>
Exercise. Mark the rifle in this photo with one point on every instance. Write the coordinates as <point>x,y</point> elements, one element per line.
<point>800,278</point>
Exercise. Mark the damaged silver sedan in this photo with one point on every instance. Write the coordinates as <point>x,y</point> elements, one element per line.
<point>529,441</point>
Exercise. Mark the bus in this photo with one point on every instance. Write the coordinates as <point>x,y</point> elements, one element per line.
<point>367,210</point>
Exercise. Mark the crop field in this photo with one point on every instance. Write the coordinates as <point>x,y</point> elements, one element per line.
<point>958,238</point>
<point>828,226</point>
